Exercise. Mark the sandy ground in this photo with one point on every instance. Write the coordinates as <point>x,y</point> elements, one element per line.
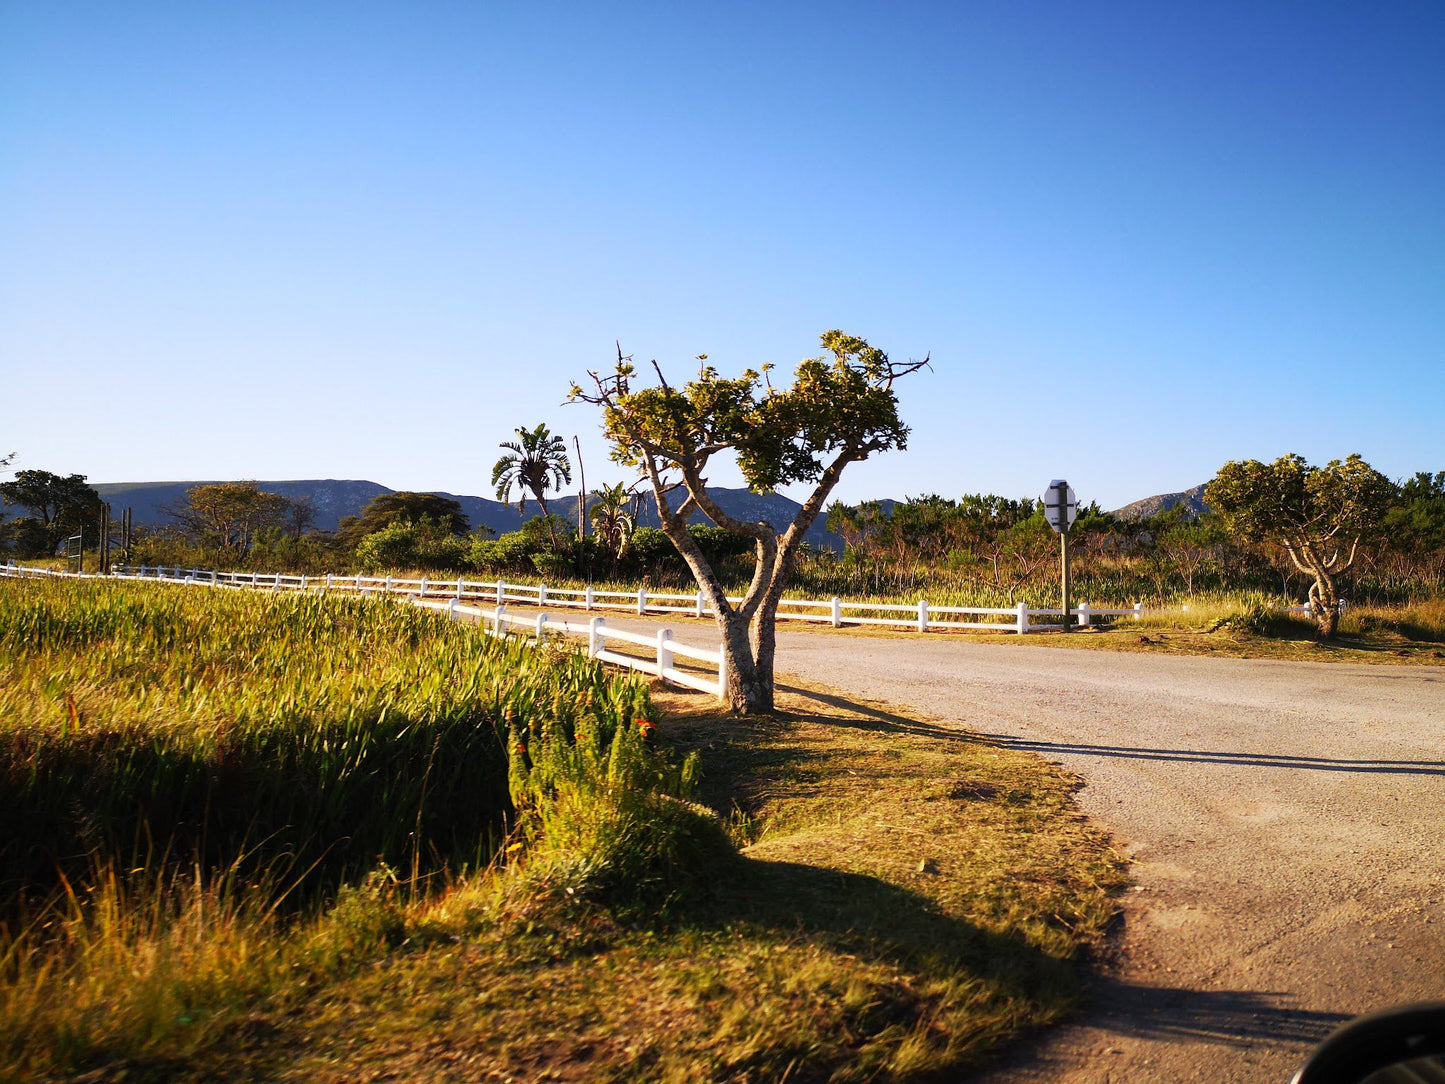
<point>1286,822</point>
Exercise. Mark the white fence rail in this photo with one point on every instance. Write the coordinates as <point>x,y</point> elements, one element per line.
<point>921,617</point>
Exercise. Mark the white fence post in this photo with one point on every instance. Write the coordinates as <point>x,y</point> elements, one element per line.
<point>641,601</point>
<point>664,652</point>
<point>588,599</point>
<point>1083,615</point>
<point>459,585</point>
<point>701,604</point>
<point>452,608</point>
<point>922,616</point>
<point>541,594</point>
<point>358,582</point>
<point>541,627</point>
<point>837,606</point>
<point>213,577</point>
<point>422,591</point>
<point>277,585</point>
<point>497,620</point>
<point>595,635</point>
<point>501,592</point>
<point>328,581</point>
<point>1138,610</point>
<point>303,581</point>
<point>1023,619</point>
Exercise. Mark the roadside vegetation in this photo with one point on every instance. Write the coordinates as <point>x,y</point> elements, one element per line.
<point>317,837</point>
<point>1271,535</point>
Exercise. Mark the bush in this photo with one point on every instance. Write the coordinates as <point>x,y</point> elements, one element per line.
<point>512,552</point>
<point>610,821</point>
<point>411,545</point>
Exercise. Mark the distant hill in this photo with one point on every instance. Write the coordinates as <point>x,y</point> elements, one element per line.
<point>1193,499</point>
<point>335,499</point>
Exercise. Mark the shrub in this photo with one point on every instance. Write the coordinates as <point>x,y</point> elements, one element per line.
<point>608,820</point>
<point>403,544</point>
<point>511,552</point>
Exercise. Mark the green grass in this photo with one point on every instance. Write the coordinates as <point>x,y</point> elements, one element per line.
<point>214,727</point>
<point>906,899</point>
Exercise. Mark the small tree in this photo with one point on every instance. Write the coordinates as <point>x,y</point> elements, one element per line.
<point>1318,514</point>
<point>402,506</point>
<point>230,513</point>
<point>611,520</point>
<point>840,409</point>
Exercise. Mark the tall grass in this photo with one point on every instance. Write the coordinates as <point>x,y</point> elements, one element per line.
<point>204,793</point>
<point>209,727</point>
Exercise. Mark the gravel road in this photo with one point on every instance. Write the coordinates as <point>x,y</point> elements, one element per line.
<point>1285,821</point>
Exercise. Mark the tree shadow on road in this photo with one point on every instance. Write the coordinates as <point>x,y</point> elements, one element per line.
<point>1207,756</point>
<point>876,718</point>
<point>1233,1017</point>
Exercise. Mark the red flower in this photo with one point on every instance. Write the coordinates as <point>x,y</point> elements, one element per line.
<point>645,725</point>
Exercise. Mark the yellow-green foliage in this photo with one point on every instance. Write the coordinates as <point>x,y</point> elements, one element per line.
<point>174,761</point>
<point>137,721</point>
<point>607,819</point>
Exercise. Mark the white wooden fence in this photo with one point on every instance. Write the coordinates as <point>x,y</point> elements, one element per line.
<point>921,616</point>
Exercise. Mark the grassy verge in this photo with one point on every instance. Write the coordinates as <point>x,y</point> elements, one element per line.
<point>840,892</point>
<point>906,899</point>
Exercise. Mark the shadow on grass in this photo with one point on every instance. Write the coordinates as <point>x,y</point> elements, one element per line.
<point>969,988</point>
<point>872,717</point>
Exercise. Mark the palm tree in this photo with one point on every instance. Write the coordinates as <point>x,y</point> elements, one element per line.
<point>610,518</point>
<point>534,463</point>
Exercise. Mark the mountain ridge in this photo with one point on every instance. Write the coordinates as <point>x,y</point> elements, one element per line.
<point>1192,499</point>
<point>335,498</point>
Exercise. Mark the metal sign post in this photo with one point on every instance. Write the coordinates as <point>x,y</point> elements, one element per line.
<point>1060,509</point>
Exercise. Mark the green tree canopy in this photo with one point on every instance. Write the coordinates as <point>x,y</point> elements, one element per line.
<point>403,506</point>
<point>60,505</point>
<point>839,409</point>
<point>1319,515</point>
<point>1416,523</point>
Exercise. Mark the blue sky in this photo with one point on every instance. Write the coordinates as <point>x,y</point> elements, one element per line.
<point>368,240</point>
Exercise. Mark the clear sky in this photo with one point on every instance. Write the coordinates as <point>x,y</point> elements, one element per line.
<point>366,240</point>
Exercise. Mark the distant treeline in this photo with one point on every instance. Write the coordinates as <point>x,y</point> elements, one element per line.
<point>979,548</point>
